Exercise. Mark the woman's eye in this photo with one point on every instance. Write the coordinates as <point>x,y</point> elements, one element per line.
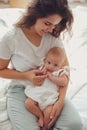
<point>47,24</point>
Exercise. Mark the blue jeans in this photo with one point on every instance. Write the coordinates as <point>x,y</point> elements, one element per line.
<point>21,119</point>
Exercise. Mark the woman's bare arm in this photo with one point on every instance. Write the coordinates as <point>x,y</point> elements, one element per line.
<point>10,73</point>
<point>58,106</point>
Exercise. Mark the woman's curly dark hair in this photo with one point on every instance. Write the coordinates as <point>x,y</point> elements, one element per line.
<point>44,8</point>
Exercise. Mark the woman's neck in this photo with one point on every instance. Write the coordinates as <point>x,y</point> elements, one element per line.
<point>32,36</point>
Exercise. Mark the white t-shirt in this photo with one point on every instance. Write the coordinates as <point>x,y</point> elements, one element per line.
<point>23,54</point>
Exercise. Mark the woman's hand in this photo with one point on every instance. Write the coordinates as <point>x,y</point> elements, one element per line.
<point>36,77</point>
<point>57,108</point>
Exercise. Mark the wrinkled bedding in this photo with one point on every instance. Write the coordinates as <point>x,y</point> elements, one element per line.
<point>77,52</point>
<point>76,49</point>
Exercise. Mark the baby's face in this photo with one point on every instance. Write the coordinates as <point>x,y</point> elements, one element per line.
<point>53,63</point>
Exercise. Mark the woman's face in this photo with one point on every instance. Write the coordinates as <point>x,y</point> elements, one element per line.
<point>46,25</point>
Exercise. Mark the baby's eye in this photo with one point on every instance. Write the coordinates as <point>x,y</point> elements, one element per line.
<point>55,65</point>
<point>49,62</point>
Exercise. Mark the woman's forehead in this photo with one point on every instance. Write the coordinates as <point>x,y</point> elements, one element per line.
<point>53,19</point>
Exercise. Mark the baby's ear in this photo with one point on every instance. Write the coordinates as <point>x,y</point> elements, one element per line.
<point>44,59</point>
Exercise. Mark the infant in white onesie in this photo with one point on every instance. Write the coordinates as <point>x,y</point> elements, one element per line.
<point>40,98</point>
<point>46,94</point>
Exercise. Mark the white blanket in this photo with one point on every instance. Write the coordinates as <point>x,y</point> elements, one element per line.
<point>7,18</point>
<point>4,120</point>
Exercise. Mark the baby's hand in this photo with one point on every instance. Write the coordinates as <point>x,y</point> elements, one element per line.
<point>49,73</point>
<point>52,77</point>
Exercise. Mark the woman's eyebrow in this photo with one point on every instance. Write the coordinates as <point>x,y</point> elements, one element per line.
<point>50,23</point>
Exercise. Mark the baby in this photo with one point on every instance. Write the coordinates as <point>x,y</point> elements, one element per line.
<point>41,98</point>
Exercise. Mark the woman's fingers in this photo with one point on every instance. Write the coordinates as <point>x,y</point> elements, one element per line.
<point>52,121</point>
<point>41,77</point>
<point>38,77</point>
<point>53,116</point>
<point>38,80</point>
<point>38,72</point>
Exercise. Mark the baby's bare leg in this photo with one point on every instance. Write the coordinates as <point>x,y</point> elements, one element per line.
<point>47,112</point>
<point>33,107</point>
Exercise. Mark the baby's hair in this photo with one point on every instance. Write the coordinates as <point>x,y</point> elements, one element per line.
<point>56,51</point>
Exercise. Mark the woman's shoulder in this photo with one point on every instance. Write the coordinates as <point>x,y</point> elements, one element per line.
<point>11,33</point>
<point>53,41</point>
<point>10,38</point>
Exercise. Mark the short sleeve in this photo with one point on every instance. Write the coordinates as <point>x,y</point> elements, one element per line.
<point>5,49</point>
<point>58,42</point>
<point>55,42</point>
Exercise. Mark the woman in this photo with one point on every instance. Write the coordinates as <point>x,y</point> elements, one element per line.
<point>24,46</point>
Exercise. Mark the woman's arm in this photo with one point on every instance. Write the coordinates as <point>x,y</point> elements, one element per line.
<point>58,106</point>
<point>9,73</point>
<point>63,78</point>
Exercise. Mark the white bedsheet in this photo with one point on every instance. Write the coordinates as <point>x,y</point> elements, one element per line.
<point>80,102</point>
<point>77,52</point>
<point>4,120</point>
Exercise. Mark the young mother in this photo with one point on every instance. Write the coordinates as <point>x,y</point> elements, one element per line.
<point>24,46</point>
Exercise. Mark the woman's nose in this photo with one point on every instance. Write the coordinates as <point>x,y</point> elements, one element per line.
<point>50,29</point>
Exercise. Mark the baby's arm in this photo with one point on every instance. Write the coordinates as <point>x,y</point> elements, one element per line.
<point>60,78</point>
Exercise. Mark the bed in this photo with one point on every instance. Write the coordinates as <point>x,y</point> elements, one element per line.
<point>76,48</point>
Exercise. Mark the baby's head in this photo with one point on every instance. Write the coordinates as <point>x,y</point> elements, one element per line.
<point>54,59</point>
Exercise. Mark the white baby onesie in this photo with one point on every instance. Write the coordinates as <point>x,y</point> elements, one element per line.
<point>46,94</point>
